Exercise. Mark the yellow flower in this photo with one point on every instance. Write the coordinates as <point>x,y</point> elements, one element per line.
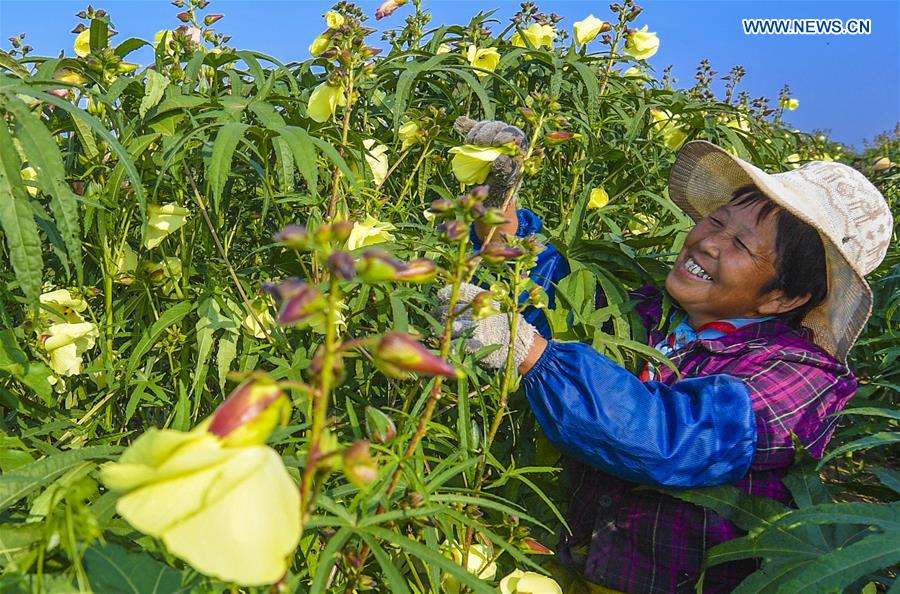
<point>794,160</point>
<point>376,157</point>
<point>65,343</point>
<point>789,103</point>
<point>528,582</point>
<point>161,221</point>
<point>324,100</point>
<point>319,45</point>
<point>477,563</point>
<point>30,174</point>
<point>61,307</point>
<point>69,76</point>
<point>83,43</point>
<point>444,48</point>
<point>408,135</point>
<point>483,59</point>
<point>334,19</point>
<point>126,264</point>
<point>537,34</point>
<point>231,512</point>
<point>587,30</point>
<point>642,44</point>
<point>263,313</point>
<point>318,323</point>
<point>472,164</point>
<point>599,198</point>
<point>673,134</point>
<point>641,223</point>
<point>369,232</point>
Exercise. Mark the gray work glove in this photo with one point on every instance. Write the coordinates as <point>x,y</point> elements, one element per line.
<point>506,170</point>
<point>492,330</point>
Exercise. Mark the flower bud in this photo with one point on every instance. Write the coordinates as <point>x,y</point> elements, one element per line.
<point>452,230</point>
<point>211,19</point>
<point>419,271</point>
<point>558,137</point>
<point>532,546</point>
<point>493,216</point>
<point>293,236</point>
<point>377,266</point>
<point>379,426</point>
<point>441,206</point>
<point>342,265</point>
<point>251,412</point>
<point>318,364</point>
<point>341,230</point>
<point>498,253</point>
<point>359,466</point>
<point>399,356</point>
<point>484,306</point>
<point>184,17</point>
<point>303,302</point>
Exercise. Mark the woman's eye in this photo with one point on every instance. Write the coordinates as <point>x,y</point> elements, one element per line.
<point>715,222</point>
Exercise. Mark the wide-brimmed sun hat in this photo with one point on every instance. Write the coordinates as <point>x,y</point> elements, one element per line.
<point>850,214</point>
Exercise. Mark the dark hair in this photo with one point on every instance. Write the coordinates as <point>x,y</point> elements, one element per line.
<point>800,267</point>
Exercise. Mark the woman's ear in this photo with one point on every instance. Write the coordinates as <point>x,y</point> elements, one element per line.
<point>779,303</point>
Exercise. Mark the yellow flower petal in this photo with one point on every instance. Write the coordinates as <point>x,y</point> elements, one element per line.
<point>232,513</point>
<point>642,44</point>
<point>587,30</point>
<point>376,157</point>
<point>334,19</point>
<point>126,265</point>
<point>408,135</point>
<point>65,343</point>
<point>30,174</point>
<point>471,164</point>
<point>161,221</point>
<point>83,43</point>
<point>537,34</point>
<point>599,198</point>
<point>61,307</point>
<point>319,45</point>
<point>444,48</point>
<point>483,59</point>
<point>369,232</point>
<point>323,101</point>
<point>528,582</point>
<point>477,563</point>
<point>263,314</point>
<point>790,103</point>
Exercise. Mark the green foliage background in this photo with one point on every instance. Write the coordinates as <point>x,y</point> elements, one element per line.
<point>235,121</point>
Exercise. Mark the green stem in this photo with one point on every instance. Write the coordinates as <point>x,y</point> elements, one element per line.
<point>336,176</point>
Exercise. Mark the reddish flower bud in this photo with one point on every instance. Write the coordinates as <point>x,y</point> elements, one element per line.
<point>341,230</point>
<point>306,302</point>
<point>251,412</point>
<point>293,236</point>
<point>388,8</point>
<point>283,290</point>
<point>211,18</point>
<point>498,253</point>
<point>559,136</point>
<point>452,230</point>
<point>400,356</point>
<point>184,17</point>
<point>379,426</point>
<point>342,265</point>
<point>377,266</point>
<point>79,28</point>
<point>419,271</point>
<point>532,546</point>
<point>441,206</point>
<point>359,466</point>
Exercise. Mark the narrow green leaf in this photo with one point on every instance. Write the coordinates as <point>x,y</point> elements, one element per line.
<point>87,137</point>
<point>15,362</point>
<point>304,152</point>
<point>43,154</point>
<point>882,438</point>
<point>156,86</point>
<point>328,558</point>
<point>220,163</point>
<point>171,316</point>
<point>17,221</point>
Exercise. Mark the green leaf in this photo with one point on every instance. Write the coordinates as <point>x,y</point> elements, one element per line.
<point>156,86</point>
<point>745,510</point>
<point>886,516</point>
<point>14,361</point>
<point>328,558</point>
<point>171,316</point>
<point>18,484</point>
<point>882,438</point>
<point>841,567</point>
<point>18,223</point>
<point>889,478</point>
<point>304,153</point>
<point>332,153</point>
<point>220,163</point>
<point>99,35</point>
<point>116,570</point>
<point>43,154</point>
<point>395,580</point>
<point>86,136</point>
<point>770,575</point>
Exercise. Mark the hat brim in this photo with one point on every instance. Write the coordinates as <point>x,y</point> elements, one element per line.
<point>704,178</point>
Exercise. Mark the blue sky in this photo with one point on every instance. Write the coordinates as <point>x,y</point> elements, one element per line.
<point>847,84</point>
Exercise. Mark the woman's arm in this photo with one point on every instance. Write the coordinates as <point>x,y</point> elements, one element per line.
<point>698,432</point>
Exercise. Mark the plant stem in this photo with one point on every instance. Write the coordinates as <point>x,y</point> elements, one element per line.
<point>336,176</point>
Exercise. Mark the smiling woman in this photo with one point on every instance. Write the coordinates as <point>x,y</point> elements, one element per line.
<point>760,346</point>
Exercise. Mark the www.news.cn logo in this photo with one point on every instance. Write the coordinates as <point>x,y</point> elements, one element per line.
<point>807,26</point>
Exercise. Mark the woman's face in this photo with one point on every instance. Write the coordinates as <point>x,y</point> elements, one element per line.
<point>727,260</point>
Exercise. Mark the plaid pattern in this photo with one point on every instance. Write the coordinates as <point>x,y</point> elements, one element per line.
<point>642,541</point>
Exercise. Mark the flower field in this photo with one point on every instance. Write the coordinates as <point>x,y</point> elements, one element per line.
<point>222,365</point>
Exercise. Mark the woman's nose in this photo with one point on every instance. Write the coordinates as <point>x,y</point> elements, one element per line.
<point>709,245</point>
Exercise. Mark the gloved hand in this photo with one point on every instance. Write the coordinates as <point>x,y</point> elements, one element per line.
<point>492,330</point>
<point>506,170</point>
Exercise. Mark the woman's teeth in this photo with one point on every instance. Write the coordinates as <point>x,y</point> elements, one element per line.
<point>696,269</point>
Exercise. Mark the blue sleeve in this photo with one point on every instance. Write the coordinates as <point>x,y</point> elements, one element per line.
<point>551,267</point>
<point>698,432</point>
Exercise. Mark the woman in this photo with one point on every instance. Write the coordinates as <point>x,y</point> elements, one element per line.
<point>772,296</point>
